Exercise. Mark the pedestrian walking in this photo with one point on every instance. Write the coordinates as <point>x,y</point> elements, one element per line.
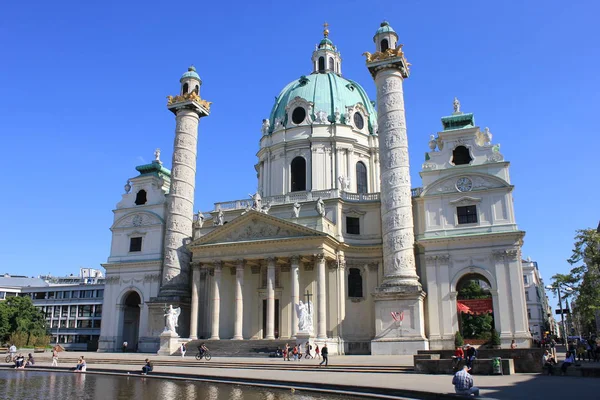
<point>307,351</point>
<point>183,349</point>
<point>463,383</point>
<point>317,352</point>
<point>13,351</point>
<point>324,354</point>
<point>55,357</point>
<point>286,352</point>
<point>295,353</point>
<point>124,347</point>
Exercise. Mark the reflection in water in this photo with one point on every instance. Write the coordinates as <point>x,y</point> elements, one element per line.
<point>23,384</point>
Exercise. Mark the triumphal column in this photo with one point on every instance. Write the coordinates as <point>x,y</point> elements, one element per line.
<point>188,108</point>
<point>399,299</point>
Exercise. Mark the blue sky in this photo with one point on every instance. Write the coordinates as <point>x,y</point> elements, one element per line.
<point>84,89</point>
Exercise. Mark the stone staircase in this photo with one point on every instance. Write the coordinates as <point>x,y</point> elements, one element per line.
<point>238,348</point>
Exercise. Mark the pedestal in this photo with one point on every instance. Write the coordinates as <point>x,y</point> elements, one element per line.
<point>169,343</point>
<point>301,339</point>
<point>400,321</point>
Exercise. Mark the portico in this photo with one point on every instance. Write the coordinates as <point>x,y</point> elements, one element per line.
<point>249,274</point>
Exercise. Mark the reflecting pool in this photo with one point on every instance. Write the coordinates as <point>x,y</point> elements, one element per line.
<point>23,384</point>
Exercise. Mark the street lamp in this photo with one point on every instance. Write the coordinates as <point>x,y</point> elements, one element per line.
<point>562,316</point>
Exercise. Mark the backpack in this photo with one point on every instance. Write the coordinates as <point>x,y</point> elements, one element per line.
<point>310,347</point>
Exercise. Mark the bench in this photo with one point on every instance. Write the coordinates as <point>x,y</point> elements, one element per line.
<point>39,349</point>
<point>3,349</point>
<point>481,366</point>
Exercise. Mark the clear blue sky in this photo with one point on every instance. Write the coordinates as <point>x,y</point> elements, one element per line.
<point>83,102</point>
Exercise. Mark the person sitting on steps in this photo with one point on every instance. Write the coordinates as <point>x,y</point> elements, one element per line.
<point>569,360</point>
<point>548,362</point>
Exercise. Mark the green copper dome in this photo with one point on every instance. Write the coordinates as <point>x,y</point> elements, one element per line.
<point>328,92</point>
<point>385,28</point>
<point>191,73</point>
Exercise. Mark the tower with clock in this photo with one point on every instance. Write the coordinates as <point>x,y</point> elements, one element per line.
<point>465,226</point>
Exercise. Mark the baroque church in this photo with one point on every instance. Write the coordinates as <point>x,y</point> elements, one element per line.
<point>335,224</point>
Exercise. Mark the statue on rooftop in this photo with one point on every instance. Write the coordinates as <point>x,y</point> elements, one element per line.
<point>456,104</point>
<point>296,209</point>
<point>320,207</point>
<point>157,156</point>
<point>219,219</point>
<point>266,125</point>
<point>256,201</point>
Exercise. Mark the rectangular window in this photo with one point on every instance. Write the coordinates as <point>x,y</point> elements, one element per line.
<point>56,311</point>
<point>99,310</point>
<point>529,313</point>
<point>40,296</point>
<point>75,294</point>
<point>467,214</point>
<point>87,294</point>
<point>73,311</point>
<point>84,323</point>
<point>353,225</point>
<point>50,295</point>
<point>2,295</point>
<point>71,323</point>
<point>64,311</point>
<point>100,293</point>
<point>67,295</point>
<point>63,323</point>
<point>526,295</point>
<point>135,244</point>
<point>525,280</point>
<point>85,311</point>
<point>96,323</point>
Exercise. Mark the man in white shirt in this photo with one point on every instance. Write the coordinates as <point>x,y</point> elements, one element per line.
<point>12,350</point>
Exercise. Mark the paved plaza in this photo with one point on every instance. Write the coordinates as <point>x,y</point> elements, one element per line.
<point>386,372</point>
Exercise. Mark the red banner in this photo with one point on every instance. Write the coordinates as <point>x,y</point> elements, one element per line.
<point>475,306</point>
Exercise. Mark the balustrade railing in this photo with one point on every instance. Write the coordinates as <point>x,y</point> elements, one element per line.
<point>293,197</point>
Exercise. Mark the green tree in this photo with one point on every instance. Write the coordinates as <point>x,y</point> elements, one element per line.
<point>584,278</point>
<point>19,315</point>
<point>472,290</point>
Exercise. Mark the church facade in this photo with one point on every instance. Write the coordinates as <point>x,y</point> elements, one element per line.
<point>334,225</point>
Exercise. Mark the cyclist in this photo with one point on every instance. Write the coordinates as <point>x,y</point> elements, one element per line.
<point>202,349</point>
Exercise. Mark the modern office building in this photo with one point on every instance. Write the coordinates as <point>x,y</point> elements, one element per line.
<point>72,304</point>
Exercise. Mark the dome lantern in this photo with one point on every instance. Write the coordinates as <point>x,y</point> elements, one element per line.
<point>385,37</point>
<point>326,58</point>
<point>190,81</point>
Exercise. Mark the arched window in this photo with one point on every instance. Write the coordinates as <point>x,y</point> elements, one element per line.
<point>331,64</point>
<point>461,156</point>
<point>321,64</point>
<point>355,286</point>
<point>361,178</point>
<point>196,89</point>
<point>298,174</point>
<point>384,45</point>
<point>185,88</point>
<point>140,198</point>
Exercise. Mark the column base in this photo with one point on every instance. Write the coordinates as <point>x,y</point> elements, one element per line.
<point>269,337</point>
<point>400,320</point>
<point>214,338</point>
<point>237,338</point>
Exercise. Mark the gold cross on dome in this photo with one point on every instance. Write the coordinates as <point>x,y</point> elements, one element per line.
<point>326,29</point>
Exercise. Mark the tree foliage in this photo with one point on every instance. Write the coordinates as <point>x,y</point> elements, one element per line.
<point>584,278</point>
<point>19,315</point>
<point>472,290</point>
<point>477,326</point>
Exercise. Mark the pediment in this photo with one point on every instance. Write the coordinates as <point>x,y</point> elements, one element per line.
<point>478,182</point>
<point>255,226</point>
<point>137,219</point>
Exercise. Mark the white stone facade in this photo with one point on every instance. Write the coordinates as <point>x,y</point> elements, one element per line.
<point>314,231</point>
<point>539,311</point>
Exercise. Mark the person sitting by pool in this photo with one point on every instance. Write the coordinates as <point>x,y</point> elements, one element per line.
<point>147,368</point>
<point>30,361</point>
<point>81,365</point>
<point>20,361</point>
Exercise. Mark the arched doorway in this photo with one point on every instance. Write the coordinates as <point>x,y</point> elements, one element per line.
<point>131,320</point>
<point>475,308</point>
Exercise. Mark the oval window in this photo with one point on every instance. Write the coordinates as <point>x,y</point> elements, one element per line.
<point>298,115</point>
<point>358,121</point>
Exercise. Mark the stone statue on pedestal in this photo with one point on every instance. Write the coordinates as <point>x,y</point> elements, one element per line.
<point>172,316</point>
<point>305,316</point>
<point>320,207</point>
<point>297,207</point>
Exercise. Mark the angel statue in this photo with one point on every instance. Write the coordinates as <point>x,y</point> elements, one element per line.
<point>172,315</point>
<point>304,311</point>
<point>256,201</point>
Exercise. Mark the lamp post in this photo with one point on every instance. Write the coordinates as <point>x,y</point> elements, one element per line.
<point>562,316</point>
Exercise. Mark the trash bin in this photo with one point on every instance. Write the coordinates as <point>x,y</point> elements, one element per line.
<point>497,366</point>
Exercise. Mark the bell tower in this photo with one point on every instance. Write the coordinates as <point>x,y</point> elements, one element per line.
<point>399,299</point>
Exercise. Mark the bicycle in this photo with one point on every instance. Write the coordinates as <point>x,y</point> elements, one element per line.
<point>9,358</point>
<point>206,355</point>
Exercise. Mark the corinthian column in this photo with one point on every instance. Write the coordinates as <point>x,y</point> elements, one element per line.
<point>295,286</point>
<point>270,334</point>
<point>239,301</point>
<point>216,303</point>
<point>194,311</point>
<point>321,297</point>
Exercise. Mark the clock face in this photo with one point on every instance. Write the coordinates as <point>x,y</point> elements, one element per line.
<point>464,184</point>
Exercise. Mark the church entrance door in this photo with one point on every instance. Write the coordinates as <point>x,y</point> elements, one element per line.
<point>131,320</point>
<point>264,319</point>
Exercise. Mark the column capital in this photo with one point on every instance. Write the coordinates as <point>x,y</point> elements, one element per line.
<point>295,260</point>
<point>240,263</point>
<point>270,262</point>
<point>217,264</point>
<point>319,257</point>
